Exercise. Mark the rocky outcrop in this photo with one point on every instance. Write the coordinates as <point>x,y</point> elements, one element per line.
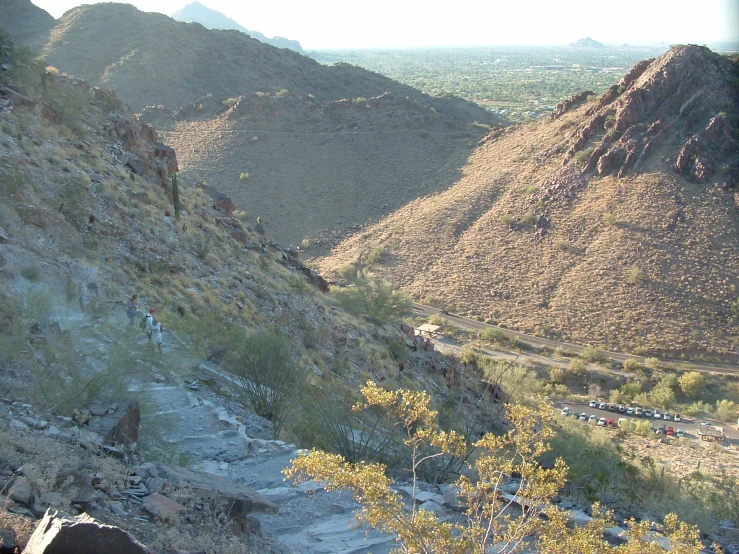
<point>81,535</point>
<point>682,95</point>
<point>236,500</point>
<point>118,424</point>
<point>571,102</point>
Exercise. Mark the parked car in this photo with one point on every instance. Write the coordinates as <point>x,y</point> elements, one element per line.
<point>593,403</point>
<point>611,407</point>
<point>638,411</point>
<point>657,414</point>
<point>667,416</point>
<point>602,422</point>
<point>660,430</point>
<point>629,411</point>
<point>602,406</point>
<point>583,417</point>
<point>575,415</point>
<point>680,433</point>
<point>593,418</point>
<point>565,411</point>
<point>678,417</point>
<point>647,413</point>
<point>622,408</point>
<point>621,420</point>
<point>610,423</point>
<point>670,431</point>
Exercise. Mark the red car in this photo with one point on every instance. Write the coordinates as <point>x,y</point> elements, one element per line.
<point>670,431</point>
<point>610,423</point>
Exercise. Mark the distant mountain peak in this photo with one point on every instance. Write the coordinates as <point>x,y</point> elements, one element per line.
<point>197,12</point>
<point>588,42</point>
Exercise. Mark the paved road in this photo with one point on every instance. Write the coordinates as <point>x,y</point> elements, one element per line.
<point>466,323</point>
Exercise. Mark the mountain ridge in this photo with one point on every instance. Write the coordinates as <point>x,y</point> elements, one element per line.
<point>196,12</point>
<point>592,227</point>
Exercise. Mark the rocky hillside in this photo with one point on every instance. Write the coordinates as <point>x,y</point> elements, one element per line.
<point>88,218</point>
<point>26,22</point>
<point>186,62</point>
<point>316,169</point>
<point>195,12</point>
<point>615,223</point>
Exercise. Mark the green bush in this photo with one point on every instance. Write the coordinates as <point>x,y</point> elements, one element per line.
<point>593,354</point>
<point>631,365</point>
<point>493,335</point>
<point>375,299</point>
<point>269,376</point>
<point>692,383</point>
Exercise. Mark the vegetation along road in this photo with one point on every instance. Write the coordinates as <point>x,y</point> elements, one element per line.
<point>471,324</point>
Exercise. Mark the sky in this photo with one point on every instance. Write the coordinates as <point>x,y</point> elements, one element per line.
<point>342,24</point>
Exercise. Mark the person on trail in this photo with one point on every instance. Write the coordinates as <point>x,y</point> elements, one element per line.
<point>156,335</point>
<point>150,322</point>
<point>131,308</point>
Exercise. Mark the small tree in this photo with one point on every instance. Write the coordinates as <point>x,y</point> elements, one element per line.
<point>491,521</point>
<point>375,299</point>
<point>268,373</point>
<point>692,383</point>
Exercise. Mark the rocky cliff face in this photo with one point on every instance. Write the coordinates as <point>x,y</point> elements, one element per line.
<point>687,98</point>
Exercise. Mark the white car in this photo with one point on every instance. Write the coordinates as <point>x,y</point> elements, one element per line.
<point>667,416</point>
<point>621,420</point>
<point>593,403</point>
<point>657,414</point>
<point>678,417</point>
<point>629,411</point>
<point>680,433</point>
<point>593,418</point>
<point>583,417</point>
<point>602,422</point>
<point>565,411</point>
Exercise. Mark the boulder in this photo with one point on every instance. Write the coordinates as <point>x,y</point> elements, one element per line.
<point>163,508</point>
<point>81,535</point>
<point>21,491</point>
<point>121,427</point>
<point>236,500</point>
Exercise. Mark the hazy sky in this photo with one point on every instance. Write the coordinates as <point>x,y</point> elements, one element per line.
<point>333,24</point>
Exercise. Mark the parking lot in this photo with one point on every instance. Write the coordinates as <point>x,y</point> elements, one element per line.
<point>690,426</point>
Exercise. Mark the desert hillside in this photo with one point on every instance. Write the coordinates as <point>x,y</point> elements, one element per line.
<point>186,62</point>
<point>316,170</point>
<point>615,222</point>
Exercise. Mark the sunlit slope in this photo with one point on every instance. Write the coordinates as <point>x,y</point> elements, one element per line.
<point>533,238</point>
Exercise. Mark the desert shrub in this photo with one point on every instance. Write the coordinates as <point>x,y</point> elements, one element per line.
<point>629,391</point>
<point>329,422</point>
<point>269,376</point>
<point>529,218</point>
<point>609,219</point>
<point>663,394</point>
<point>244,176</point>
<point>726,410</point>
<point>488,520</point>
<point>517,381</point>
<point>593,354</point>
<point>506,219</point>
<point>635,276</point>
<point>201,245</point>
<point>493,335</point>
<point>692,383</point>
<point>373,255</point>
<point>576,366</point>
<point>653,363</point>
<point>631,365</point>
<point>375,299</point>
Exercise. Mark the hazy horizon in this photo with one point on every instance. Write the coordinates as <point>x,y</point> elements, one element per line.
<point>334,25</point>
